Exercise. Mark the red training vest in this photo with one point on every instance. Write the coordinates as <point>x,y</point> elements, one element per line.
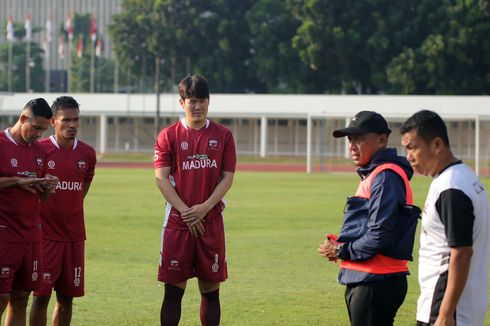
<point>380,264</point>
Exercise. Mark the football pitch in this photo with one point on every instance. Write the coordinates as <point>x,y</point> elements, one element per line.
<point>274,223</point>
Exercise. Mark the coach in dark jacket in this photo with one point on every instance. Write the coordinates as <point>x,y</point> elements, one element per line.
<point>376,238</point>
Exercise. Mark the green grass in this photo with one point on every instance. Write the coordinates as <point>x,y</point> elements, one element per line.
<point>274,223</point>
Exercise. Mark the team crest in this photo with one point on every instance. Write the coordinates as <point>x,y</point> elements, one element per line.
<point>212,144</point>
<point>184,145</point>
<point>5,272</point>
<point>82,165</point>
<point>39,162</point>
<point>51,164</point>
<point>14,163</point>
<point>174,265</point>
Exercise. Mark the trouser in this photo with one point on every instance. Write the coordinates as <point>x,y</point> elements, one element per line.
<point>375,303</point>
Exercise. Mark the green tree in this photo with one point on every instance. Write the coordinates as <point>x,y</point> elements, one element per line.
<point>451,57</point>
<point>273,58</point>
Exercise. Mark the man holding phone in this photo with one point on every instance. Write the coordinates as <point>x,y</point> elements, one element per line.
<point>23,182</point>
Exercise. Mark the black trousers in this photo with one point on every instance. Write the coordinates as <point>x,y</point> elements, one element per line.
<point>376,303</point>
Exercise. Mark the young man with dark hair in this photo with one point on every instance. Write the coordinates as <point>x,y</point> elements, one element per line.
<point>62,215</point>
<point>377,235</point>
<point>23,182</point>
<point>455,238</point>
<point>194,168</point>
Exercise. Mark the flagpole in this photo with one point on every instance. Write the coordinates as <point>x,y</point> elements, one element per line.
<point>93,38</point>
<point>68,64</point>
<point>48,79</point>
<point>116,75</point>
<point>92,68</point>
<point>10,68</point>
<point>28,68</point>
<point>49,38</point>
<point>28,28</point>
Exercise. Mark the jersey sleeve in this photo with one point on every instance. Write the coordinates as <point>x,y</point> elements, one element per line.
<point>229,153</point>
<point>91,169</point>
<point>163,151</point>
<point>456,212</point>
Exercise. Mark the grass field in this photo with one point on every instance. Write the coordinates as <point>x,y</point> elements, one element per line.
<point>274,222</point>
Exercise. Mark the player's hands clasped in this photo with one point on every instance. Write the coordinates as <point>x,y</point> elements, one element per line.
<point>194,218</point>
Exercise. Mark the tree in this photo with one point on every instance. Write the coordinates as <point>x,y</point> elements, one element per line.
<point>273,58</point>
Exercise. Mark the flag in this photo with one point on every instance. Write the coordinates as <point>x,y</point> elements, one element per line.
<point>98,47</point>
<point>49,31</point>
<point>80,46</point>
<point>61,47</point>
<point>10,29</point>
<point>69,28</point>
<point>93,29</point>
<point>28,28</point>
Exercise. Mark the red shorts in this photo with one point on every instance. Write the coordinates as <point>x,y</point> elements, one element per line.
<point>63,268</point>
<point>20,266</point>
<point>183,256</point>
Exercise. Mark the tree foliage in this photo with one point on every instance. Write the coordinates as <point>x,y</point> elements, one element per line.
<point>290,46</point>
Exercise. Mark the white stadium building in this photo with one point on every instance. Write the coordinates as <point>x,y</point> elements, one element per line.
<point>270,125</point>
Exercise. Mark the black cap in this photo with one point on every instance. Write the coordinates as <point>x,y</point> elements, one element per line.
<point>364,122</point>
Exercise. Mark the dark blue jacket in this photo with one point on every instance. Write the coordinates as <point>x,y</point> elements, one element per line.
<point>387,196</point>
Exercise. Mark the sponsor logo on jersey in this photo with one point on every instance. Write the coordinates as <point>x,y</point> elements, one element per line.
<point>215,266</point>
<point>39,162</point>
<point>204,163</point>
<point>184,145</point>
<point>478,186</point>
<point>51,164</point>
<point>69,185</point>
<point>82,165</point>
<point>27,174</point>
<point>213,144</point>
<point>14,163</point>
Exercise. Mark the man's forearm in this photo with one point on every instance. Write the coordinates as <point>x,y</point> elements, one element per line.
<point>6,182</point>
<point>459,267</point>
<point>171,195</point>
<point>220,191</point>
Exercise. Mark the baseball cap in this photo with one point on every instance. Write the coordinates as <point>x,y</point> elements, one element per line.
<point>364,122</point>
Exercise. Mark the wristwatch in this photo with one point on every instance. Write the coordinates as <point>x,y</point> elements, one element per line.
<point>338,250</point>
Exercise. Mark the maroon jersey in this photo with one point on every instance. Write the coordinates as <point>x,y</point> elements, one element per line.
<point>19,209</point>
<point>62,213</point>
<point>197,159</point>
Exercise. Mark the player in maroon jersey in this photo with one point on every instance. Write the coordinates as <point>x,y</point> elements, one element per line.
<point>62,215</point>
<point>194,168</point>
<point>23,181</point>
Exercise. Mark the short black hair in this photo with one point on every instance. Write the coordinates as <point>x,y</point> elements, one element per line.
<point>64,102</point>
<point>39,108</point>
<point>428,124</point>
<point>194,86</point>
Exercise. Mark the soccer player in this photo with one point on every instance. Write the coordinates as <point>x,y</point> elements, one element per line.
<point>455,237</point>
<point>62,215</point>
<point>194,168</point>
<point>23,181</point>
<point>376,239</point>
